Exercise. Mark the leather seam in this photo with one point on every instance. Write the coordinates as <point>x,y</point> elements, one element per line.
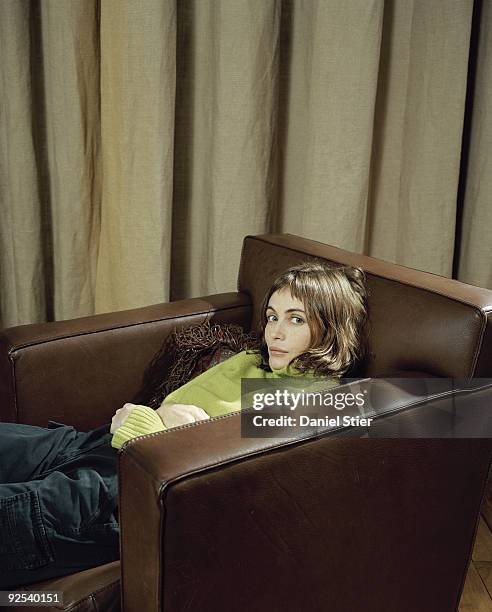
<point>307,438</point>
<point>241,262</point>
<point>470,549</point>
<point>485,309</point>
<point>13,349</point>
<point>76,604</point>
<point>132,441</point>
<point>479,345</point>
<point>271,447</point>
<point>122,476</point>
<point>14,386</point>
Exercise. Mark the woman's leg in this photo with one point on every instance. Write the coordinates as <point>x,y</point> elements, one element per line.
<point>64,520</point>
<point>26,451</point>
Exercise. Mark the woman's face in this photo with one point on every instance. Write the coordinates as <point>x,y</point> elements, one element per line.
<point>287,332</point>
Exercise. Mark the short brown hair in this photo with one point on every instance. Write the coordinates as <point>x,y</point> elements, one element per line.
<point>335,299</point>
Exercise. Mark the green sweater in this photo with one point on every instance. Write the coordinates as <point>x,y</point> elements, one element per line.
<point>217,391</point>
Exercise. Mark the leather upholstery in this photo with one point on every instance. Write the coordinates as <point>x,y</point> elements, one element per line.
<point>93,590</point>
<point>57,370</point>
<point>300,524</point>
<point>213,521</point>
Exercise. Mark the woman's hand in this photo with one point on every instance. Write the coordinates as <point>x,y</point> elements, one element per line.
<point>174,415</point>
<point>120,416</point>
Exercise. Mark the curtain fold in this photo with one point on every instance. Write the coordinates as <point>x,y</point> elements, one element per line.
<point>332,85</point>
<point>23,272</point>
<point>140,142</point>
<point>225,138</point>
<point>138,79</point>
<point>69,69</point>
<point>475,262</point>
<point>419,123</point>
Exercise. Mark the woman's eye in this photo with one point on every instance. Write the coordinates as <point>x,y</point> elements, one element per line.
<point>298,320</point>
<point>271,317</point>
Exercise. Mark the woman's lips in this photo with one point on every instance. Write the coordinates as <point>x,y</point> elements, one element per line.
<point>277,352</point>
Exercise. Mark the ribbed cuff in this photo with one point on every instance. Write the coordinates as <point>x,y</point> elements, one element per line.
<point>141,420</point>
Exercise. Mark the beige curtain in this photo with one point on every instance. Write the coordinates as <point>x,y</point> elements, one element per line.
<point>138,77</point>
<point>141,141</point>
<point>476,245</point>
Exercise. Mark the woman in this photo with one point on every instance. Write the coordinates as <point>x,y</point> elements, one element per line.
<point>312,323</point>
<point>58,487</point>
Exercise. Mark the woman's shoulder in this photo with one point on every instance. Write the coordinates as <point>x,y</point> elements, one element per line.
<point>242,365</point>
<point>241,361</point>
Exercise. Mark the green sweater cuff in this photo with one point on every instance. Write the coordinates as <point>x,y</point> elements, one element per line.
<point>142,420</point>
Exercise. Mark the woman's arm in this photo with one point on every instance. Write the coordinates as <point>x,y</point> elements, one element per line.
<point>133,420</point>
<point>120,416</point>
<point>141,420</point>
<point>174,415</point>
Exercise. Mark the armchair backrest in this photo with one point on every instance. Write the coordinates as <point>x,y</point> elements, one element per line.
<point>419,322</point>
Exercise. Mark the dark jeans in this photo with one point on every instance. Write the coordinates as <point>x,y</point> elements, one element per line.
<point>58,501</point>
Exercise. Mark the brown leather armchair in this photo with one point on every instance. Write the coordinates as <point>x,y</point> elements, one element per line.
<point>213,521</point>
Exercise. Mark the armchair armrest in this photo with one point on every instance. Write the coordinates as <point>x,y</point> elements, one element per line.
<point>210,520</point>
<point>79,372</point>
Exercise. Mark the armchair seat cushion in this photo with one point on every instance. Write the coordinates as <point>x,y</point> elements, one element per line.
<point>91,590</point>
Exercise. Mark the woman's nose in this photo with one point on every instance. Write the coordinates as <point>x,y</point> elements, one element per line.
<point>278,331</point>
